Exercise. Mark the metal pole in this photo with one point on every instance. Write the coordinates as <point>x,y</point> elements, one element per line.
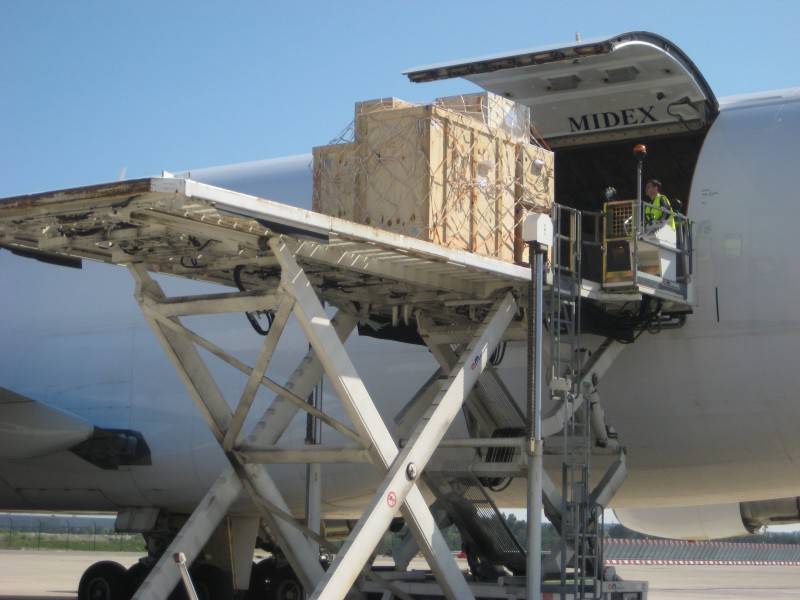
<point>639,165</point>
<point>180,561</point>
<point>639,152</point>
<point>314,471</point>
<point>534,558</point>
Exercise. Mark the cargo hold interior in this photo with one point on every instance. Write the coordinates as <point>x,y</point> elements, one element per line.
<point>583,172</point>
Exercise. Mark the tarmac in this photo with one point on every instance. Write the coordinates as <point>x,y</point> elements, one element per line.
<point>40,575</point>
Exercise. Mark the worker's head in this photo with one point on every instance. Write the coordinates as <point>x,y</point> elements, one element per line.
<point>652,188</point>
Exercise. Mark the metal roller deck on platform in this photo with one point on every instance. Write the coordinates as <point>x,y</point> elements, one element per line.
<point>193,230</point>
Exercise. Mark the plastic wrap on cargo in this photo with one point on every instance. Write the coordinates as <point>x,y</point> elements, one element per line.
<point>496,112</point>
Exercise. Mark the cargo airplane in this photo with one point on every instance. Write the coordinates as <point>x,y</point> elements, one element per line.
<point>93,418</point>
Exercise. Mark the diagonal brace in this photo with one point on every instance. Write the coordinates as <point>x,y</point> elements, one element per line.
<point>228,487</point>
<point>412,459</point>
<point>367,420</point>
<point>257,373</point>
<point>284,392</point>
<point>369,423</point>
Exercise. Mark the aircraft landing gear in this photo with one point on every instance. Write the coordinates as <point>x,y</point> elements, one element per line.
<point>271,580</point>
<point>286,586</point>
<point>136,574</point>
<point>210,583</point>
<point>106,580</point>
<point>261,579</point>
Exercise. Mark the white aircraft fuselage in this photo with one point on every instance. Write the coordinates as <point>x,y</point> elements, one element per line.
<point>708,412</point>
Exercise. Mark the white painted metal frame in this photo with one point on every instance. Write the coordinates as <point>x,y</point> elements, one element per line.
<point>399,488</point>
<point>239,476</point>
<point>594,370</point>
<point>399,491</point>
<point>153,225</point>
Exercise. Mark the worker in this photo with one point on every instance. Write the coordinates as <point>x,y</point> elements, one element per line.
<point>658,201</point>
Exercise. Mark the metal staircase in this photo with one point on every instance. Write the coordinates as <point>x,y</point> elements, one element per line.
<point>574,429</point>
<point>581,536</point>
<point>576,514</point>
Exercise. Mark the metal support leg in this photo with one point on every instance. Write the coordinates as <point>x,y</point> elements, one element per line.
<point>365,416</point>
<point>409,464</point>
<point>314,471</point>
<point>535,446</point>
<point>314,500</point>
<point>228,487</point>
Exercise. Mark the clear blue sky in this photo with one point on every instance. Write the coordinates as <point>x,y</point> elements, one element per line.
<point>87,88</point>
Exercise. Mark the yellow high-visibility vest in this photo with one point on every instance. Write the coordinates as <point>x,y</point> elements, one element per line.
<point>654,212</point>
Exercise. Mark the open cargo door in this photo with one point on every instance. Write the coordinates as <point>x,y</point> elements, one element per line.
<point>634,84</point>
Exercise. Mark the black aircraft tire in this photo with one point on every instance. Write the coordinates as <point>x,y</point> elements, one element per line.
<point>136,574</point>
<point>261,579</point>
<point>286,586</point>
<point>105,580</point>
<point>210,583</point>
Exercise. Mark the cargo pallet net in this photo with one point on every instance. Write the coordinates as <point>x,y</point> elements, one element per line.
<point>459,172</point>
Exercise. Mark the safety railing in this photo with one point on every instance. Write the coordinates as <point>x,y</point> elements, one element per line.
<point>645,243</point>
<point>655,551</point>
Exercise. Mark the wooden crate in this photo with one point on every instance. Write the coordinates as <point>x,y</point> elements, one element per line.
<point>336,173</point>
<point>431,173</point>
<point>496,112</point>
<point>367,107</point>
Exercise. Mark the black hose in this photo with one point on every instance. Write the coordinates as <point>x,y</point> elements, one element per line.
<point>498,354</point>
<point>253,317</point>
